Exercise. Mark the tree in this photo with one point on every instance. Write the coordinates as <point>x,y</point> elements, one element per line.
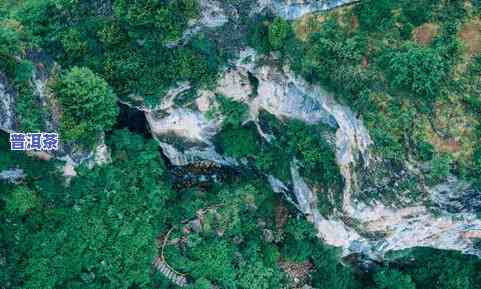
<point>10,45</point>
<point>21,200</point>
<point>440,167</point>
<point>393,279</point>
<point>107,238</point>
<point>88,105</point>
<point>156,21</point>
<point>257,276</point>
<point>279,31</point>
<point>420,70</point>
<point>375,15</point>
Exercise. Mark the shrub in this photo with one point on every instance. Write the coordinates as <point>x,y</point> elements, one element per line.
<point>419,70</point>
<point>88,105</point>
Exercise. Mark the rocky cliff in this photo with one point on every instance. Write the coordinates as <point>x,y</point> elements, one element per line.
<point>444,218</point>
<point>371,228</point>
<point>7,104</point>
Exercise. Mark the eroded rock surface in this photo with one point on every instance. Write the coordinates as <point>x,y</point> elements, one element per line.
<point>12,176</point>
<point>7,104</point>
<point>373,228</point>
<point>292,9</point>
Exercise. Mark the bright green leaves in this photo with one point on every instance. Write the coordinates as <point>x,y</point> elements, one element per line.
<point>279,32</point>
<point>106,238</point>
<point>73,43</point>
<point>393,279</point>
<point>256,275</point>
<point>156,20</point>
<point>375,15</point>
<point>88,105</point>
<point>124,42</point>
<point>214,261</point>
<point>20,200</point>
<point>420,70</point>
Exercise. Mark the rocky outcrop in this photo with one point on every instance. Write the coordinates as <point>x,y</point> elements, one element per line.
<point>371,228</point>
<point>380,229</point>
<point>185,123</point>
<point>455,196</point>
<point>12,176</point>
<point>211,16</point>
<point>193,155</point>
<point>292,9</point>
<point>7,104</point>
<point>286,96</point>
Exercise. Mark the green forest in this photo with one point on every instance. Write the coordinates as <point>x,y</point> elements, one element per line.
<point>410,69</point>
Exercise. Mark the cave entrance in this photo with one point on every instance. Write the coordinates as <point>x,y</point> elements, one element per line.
<point>134,120</point>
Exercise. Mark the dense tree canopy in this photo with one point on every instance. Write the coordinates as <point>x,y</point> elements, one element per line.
<point>88,105</point>
<point>104,227</point>
<point>419,70</point>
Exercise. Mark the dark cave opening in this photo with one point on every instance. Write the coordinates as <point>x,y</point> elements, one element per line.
<point>133,119</point>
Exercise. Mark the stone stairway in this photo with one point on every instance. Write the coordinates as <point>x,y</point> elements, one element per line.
<point>169,273</point>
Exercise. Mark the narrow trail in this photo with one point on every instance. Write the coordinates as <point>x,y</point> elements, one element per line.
<point>163,267</point>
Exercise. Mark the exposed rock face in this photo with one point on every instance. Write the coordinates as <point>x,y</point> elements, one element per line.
<point>7,105</point>
<point>292,9</point>
<point>286,96</point>
<point>455,196</point>
<point>395,229</point>
<point>12,176</point>
<point>183,157</point>
<point>212,16</point>
<point>333,232</point>
<point>185,123</point>
<point>72,155</point>
<point>373,229</point>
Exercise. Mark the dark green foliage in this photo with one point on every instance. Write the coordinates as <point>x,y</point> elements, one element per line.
<point>238,143</point>
<point>100,231</point>
<point>393,279</point>
<point>437,269</point>
<point>88,105</point>
<point>10,46</point>
<point>473,102</point>
<point>419,70</point>
<point>298,246</point>
<point>234,112</point>
<point>155,20</point>
<point>20,200</point>
<point>258,36</point>
<point>417,12</point>
<point>302,244</point>
<point>126,43</point>
<point>213,260</point>
<point>229,248</point>
<point>307,144</point>
<point>105,238</point>
<point>376,15</point>
<point>19,72</point>
<point>380,16</point>
<point>330,272</point>
<point>440,168</point>
<point>236,140</point>
<point>332,57</point>
<point>279,32</point>
<point>379,71</point>
<point>29,112</point>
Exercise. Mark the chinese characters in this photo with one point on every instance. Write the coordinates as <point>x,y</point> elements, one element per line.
<point>34,141</point>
